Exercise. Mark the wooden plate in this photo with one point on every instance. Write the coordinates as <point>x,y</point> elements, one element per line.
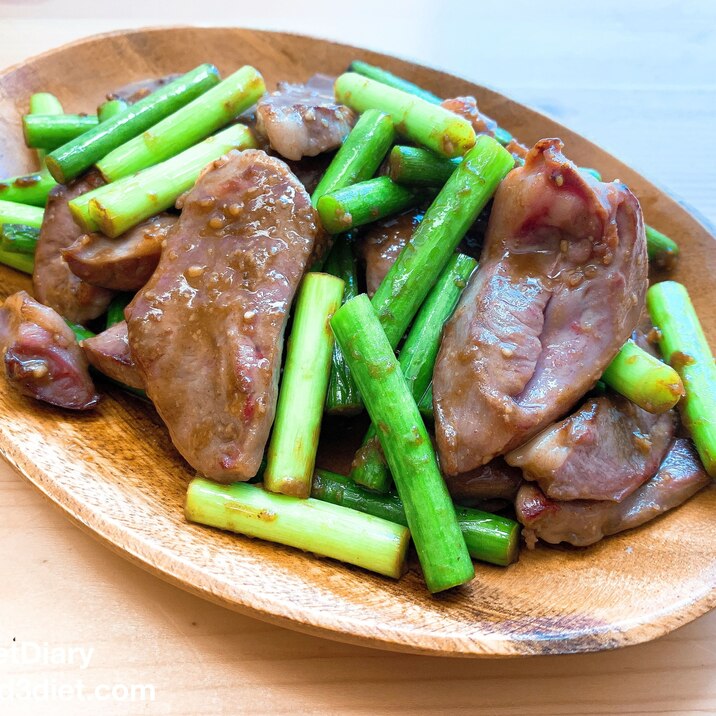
<point>116,474</point>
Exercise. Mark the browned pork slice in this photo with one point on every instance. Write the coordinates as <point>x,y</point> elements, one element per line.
<point>482,124</point>
<point>109,353</point>
<point>382,243</point>
<point>54,284</point>
<point>560,287</point>
<point>304,120</point>
<point>583,522</point>
<point>41,356</point>
<point>121,264</point>
<point>603,451</point>
<point>206,332</point>
<point>495,481</point>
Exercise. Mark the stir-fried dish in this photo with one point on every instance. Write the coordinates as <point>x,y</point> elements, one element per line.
<point>485,305</point>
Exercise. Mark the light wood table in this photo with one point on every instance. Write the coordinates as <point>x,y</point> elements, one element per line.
<point>637,79</point>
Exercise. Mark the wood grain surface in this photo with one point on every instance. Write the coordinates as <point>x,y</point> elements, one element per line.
<point>314,679</point>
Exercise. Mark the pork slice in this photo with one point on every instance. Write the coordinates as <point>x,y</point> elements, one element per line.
<point>495,481</point>
<point>206,332</point>
<point>121,264</point>
<point>603,451</point>
<point>583,522</point>
<point>109,353</point>
<point>41,355</point>
<point>381,245</point>
<point>560,287</point>
<point>304,120</point>
<point>53,282</point>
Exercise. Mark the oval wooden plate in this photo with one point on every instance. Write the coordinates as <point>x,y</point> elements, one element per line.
<point>116,474</point>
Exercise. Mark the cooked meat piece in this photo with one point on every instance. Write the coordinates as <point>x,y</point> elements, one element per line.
<point>482,124</point>
<point>304,120</point>
<point>310,170</point>
<point>380,245</point>
<point>249,119</point>
<point>109,353</point>
<point>560,287</point>
<point>121,264</point>
<point>604,451</point>
<point>496,480</point>
<point>206,332</point>
<point>41,356</point>
<point>135,91</point>
<point>54,284</point>
<point>583,522</point>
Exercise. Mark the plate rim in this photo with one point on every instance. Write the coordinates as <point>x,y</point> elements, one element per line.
<point>316,622</point>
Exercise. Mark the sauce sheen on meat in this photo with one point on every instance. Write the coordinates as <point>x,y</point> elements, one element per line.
<point>560,287</point>
<point>109,353</point>
<point>603,451</point>
<point>494,481</point>
<point>304,120</point>
<point>585,522</point>
<point>206,332</point>
<point>381,245</point>
<point>53,282</point>
<point>41,356</point>
<point>121,264</point>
